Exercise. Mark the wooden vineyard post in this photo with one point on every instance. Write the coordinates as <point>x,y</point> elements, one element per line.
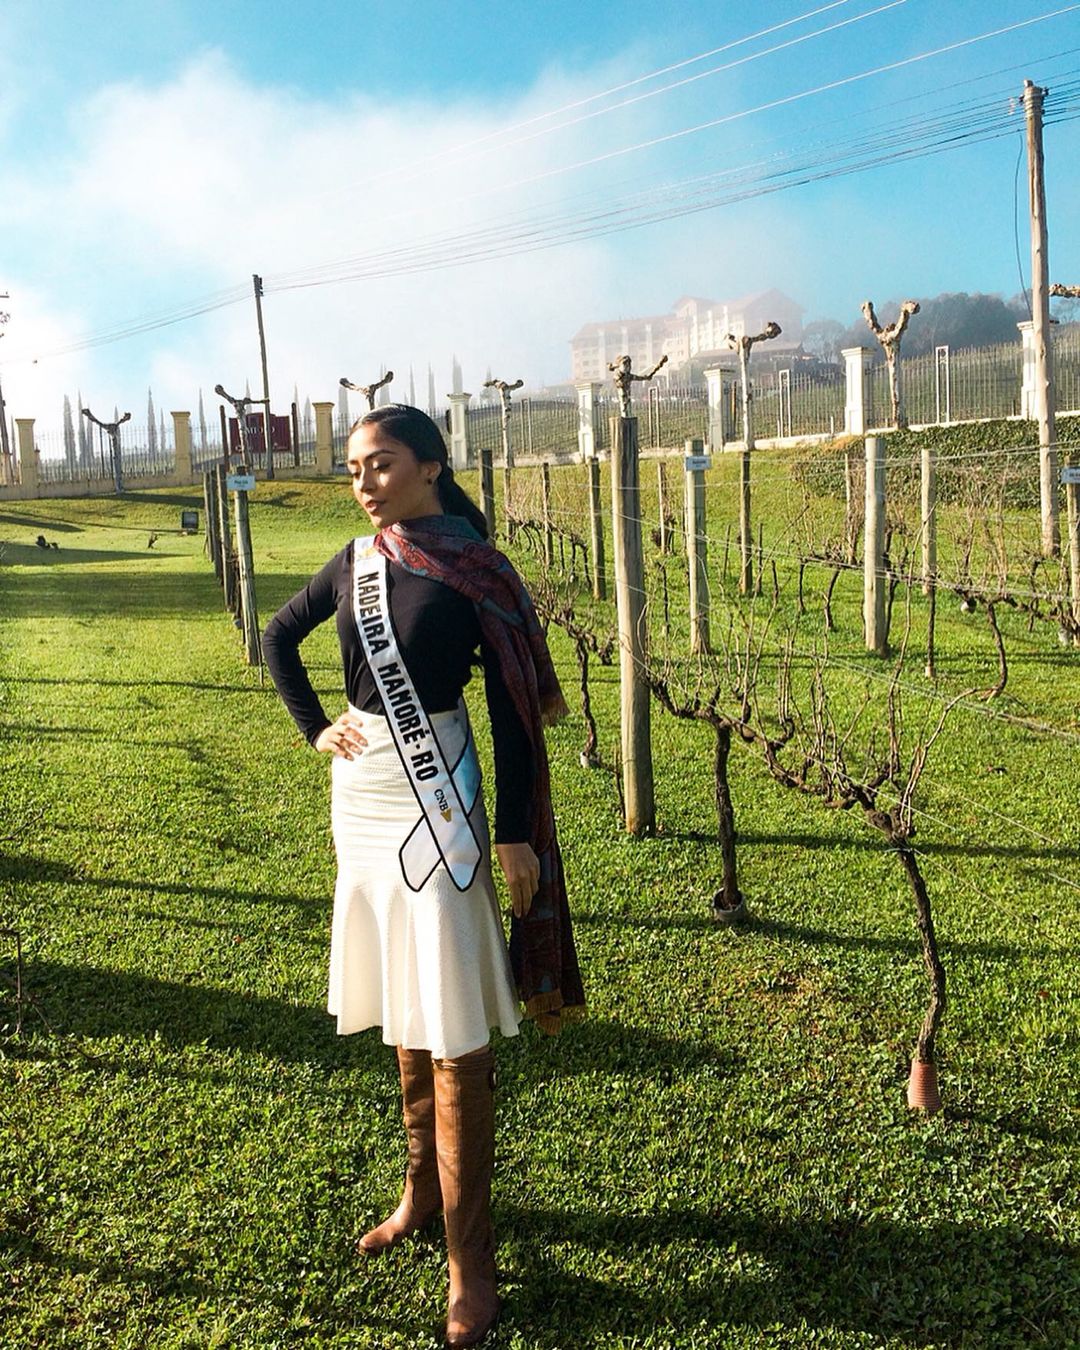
<point>1040,315</point>
<point>596,523</point>
<point>224,433</point>
<point>545,488</point>
<point>697,557</point>
<point>929,548</point>
<point>661,496</point>
<point>929,518</point>
<point>487,488</point>
<point>746,539</point>
<point>508,507</point>
<point>505,390</point>
<point>210,509</point>
<point>639,807</point>
<point>1070,475</point>
<point>249,616</point>
<point>874,586</point>
<point>228,574</point>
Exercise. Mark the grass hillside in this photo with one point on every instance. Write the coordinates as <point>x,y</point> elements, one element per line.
<point>719,1156</point>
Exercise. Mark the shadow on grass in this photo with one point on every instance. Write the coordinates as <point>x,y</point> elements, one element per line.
<point>156,1282</point>
<point>131,594</point>
<point>935,1283</point>
<point>164,498</point>
<point>591,1046</point>
<point>870,844</point>
<point>86,1002</point>
<point>29,555</point>
<point>41,523</point>
<point>24,867</point>
<point>141,684</point>
<point>822,937</point>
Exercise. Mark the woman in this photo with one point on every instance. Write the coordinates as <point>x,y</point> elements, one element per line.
<point>417,945</point>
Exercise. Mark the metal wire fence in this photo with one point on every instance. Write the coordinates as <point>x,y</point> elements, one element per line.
<point>805,398</point>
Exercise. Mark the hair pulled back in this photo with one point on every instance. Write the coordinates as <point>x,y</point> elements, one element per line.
<point>415,429</point>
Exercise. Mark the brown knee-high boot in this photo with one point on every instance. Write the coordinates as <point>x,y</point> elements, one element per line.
<point>465,1142</point>
<point>421,1199</point>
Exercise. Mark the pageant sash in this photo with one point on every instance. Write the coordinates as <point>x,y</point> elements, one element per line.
<point>445,794</point>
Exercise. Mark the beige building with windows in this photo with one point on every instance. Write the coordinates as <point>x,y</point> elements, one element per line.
<point>695,330</point>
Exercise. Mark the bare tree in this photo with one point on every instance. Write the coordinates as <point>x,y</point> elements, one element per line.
<point>625,378</point>
<point>744,345</point>
<point>890,336</point>
<point>557,605</point>
<point>112,430</point>
<point>368,390</point>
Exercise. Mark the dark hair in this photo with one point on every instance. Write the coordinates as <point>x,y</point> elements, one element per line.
<point>415,429</point>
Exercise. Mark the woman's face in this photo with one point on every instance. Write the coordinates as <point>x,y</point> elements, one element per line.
<point>388,481</point>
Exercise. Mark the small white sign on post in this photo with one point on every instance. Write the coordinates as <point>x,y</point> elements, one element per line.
<point>1070,474</point>
<point>693,463</point>
<point>240,482</point>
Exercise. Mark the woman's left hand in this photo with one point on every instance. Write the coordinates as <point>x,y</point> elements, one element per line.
<point>521,868</point>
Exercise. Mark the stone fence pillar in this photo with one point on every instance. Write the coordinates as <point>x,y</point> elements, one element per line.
<point>588,430</point>
<point>857,396</point>
<point>1027,383</point>
<point>714,383</point>
<point>324,438</point>
<point>28,459</point>
<point>182,442</point>
<point>459,431</point>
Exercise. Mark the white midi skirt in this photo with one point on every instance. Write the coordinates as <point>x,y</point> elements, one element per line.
<point>429,966</point>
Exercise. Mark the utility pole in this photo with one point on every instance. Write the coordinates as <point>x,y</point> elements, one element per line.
<point>1040,315</point>
<point>257,282</point>
<point>5,442</point>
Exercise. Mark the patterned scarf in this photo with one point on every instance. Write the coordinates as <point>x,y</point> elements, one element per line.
<point>447,549</point>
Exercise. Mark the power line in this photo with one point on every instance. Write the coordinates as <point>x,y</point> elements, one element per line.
<point>442,155</point>
<point>485,244</point>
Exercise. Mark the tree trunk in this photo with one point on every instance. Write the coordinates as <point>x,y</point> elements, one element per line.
<point>924,921</point>
<point>729,896</point>
<point>589,757</point>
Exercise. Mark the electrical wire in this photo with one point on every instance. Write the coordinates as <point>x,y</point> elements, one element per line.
<point>452,251</point>
<point>455,152</point>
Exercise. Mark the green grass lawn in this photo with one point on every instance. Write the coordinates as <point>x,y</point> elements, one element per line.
<point>720,1155</point>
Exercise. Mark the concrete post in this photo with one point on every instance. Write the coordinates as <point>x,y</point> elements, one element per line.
<point>1027,381</point>
<point>459,431</point>
<point>714,381</point>
<point>588,432</point>
<point>324,438</point>
<point>182,441</point>
<point>28,463</point>
<point>874,579</point>
<point>697,555</point>
<point>857,397</point>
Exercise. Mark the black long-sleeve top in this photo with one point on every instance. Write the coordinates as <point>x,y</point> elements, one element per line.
<point>439,634</point>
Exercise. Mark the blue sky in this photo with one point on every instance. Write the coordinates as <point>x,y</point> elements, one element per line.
<point>161,153</point>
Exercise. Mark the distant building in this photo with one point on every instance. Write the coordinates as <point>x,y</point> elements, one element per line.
<point>694,331</point>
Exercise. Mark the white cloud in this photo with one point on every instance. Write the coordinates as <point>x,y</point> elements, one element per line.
<point>174,190</point>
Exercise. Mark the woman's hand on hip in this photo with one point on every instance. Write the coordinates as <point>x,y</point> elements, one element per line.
<point>521,868</point>
<point>342,737</point>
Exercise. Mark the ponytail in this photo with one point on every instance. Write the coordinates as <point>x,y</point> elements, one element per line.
<point>455,501</point>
